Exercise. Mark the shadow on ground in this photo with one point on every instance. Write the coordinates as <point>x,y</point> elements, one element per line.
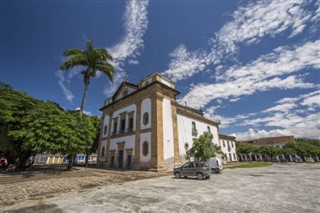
<point>45,208</point>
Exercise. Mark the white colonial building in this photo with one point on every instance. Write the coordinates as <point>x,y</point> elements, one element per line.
<point>144,127</point>
<point>228,147</point>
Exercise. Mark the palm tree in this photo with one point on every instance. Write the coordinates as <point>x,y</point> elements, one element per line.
<point>93,60</point>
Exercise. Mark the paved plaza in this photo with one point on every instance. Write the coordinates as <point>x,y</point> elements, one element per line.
<point>277,188</point>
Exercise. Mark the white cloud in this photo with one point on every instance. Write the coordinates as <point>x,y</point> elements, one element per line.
<point>312,100</point>
<point>135,25</point>
<point>316,16</point>
<point>296,115</point>
<point>202,94</point>
<point>84,111</point>
<point>185,64</point>
<point>249,24</point>
<point>117,80</point>
<point>282,60</point>
<point>282,107</point>
<point>67,93</point>
<point>259,75</point>
<point>128,49</point>
<point>252,134</point>
<point>262,18</point>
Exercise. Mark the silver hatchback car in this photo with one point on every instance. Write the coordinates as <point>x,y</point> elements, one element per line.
<point>199,169</point>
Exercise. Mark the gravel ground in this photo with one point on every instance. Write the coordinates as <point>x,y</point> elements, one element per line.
<point>38,185</point>
<point>277,188</point>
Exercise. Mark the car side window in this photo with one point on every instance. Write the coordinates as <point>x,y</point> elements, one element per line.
<point>191,165</point>
<point>186,165</point>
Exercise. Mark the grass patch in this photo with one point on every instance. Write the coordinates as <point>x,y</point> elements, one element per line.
<point>248,165</point>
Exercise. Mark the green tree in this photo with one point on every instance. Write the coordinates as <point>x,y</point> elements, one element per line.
<point>269,151</point>
<point>15,106</point>
<point>304,147</point>
<point>245,148</point>
<point>30,126</point>
<point>93,60</point>
<point>287,151</point>
<point>203,148</point>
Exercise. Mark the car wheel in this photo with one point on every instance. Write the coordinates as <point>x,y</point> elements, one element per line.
<point>200,176</point>
<point>177,174</point>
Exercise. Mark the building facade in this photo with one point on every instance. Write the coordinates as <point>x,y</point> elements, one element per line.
<point>228,147</point>
<point>144,128</point>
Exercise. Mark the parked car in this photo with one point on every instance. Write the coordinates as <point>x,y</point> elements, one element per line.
<point>310,160</point>
<point>215,165</point>
<point>3,161</point>
<point>199,169</point>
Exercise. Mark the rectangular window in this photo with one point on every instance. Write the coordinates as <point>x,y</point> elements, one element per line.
<point>115,127</point>
<point>123,125</point>
<point>130,129</point>
<point>224,145</point>
<point>209,131</point>
<point>105,129</point>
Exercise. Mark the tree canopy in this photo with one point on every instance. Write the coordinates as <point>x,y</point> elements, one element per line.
<point>92,60</point>
<point>202,148</point>
<point>301,147</point>
<point>29,126</point>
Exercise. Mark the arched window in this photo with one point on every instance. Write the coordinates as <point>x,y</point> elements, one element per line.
<point>145,118</point>
<point>105,129</point>
<point>102,151</point>
<point>145,148</point>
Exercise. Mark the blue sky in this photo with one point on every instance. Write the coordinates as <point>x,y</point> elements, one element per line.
<point>252,65</point>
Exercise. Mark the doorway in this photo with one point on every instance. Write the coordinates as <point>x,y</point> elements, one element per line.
<point>120,159</point>
<point>112,162</point>
<point>129,162</point>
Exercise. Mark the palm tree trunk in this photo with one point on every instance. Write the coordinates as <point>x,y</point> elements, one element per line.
<point>84,97</point>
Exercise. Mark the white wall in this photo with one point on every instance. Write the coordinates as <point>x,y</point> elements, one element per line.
<point>145,107</point>
<point>185,131</point>
<point>145,137</point>
<point>146,82</point>
<point>225,150</point>
<point>130,90</point>
<point>105,122</point>
<point>165,82</point>
<point>129,142</point>
<point>127,109</point>
<point>168,147</point>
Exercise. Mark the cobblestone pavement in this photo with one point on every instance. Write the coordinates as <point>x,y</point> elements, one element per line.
<point>277,188</point>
